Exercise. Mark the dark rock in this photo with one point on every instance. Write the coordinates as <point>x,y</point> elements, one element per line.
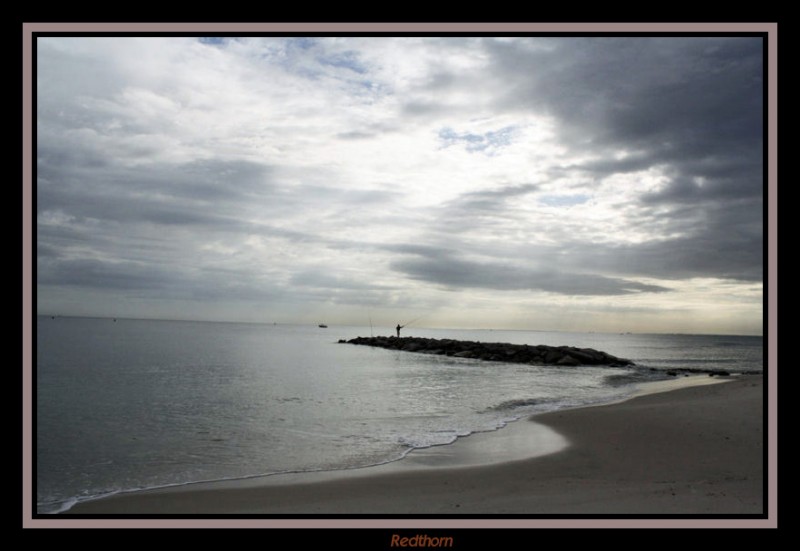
<point>413,346</point>
<point>581,357</point>
<point>498,352</point>
<point>568,360</point>
<point>687,371</point>
<point>553,356</point>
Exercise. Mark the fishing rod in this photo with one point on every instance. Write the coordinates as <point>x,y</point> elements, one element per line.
<point>371,334</point>
<point>412,321</point>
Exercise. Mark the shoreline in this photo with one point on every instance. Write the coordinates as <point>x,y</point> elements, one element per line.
<point>694,450</point>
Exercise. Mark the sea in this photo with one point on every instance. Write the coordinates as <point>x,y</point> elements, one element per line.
<point>123,405</point>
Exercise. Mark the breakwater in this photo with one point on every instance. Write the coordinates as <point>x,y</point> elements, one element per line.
<point>499,352</point>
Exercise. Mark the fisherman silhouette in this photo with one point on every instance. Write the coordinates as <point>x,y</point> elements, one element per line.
<point>399,327</point>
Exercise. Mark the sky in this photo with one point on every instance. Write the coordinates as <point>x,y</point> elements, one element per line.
<point>542,183</point>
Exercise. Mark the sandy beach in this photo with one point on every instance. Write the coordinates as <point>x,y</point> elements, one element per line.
<point>694,450</point>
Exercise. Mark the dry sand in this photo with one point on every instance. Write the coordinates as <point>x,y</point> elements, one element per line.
<point>696,450</point>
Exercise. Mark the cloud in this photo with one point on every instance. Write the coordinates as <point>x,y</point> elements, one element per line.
<point>393,171</point>
<point>148,280</point>
<point>688,108</point>
<point>199,192</point>
<point>563,200</point>
<point>675,99</point>
<point>487,200</point>
<point>320,279</point>
<point>355,135</point>
<point>679,119</point>
<point>455,272</point>
<point>97,273</point>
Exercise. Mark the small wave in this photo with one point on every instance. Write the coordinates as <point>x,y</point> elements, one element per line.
<point>58,507</point>
<point>634,377</point>
<point>700,367</point>
<point>513,404</point>
<point>437,438</point>
<point>685,361</point>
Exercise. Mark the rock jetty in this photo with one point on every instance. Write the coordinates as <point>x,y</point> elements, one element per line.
<point>496,352</point>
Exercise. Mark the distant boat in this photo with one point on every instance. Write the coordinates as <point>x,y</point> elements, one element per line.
<point>323,325</point>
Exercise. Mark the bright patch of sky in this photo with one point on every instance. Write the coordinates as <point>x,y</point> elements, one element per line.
<point>563,200</point>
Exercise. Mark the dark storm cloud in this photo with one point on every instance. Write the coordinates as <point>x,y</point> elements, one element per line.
<point>718,240</point>
<point>63,172</point>
<point>212,195</point>
<point>150,279</point>
<point>101,274</point>
<point>725,185</point>
<point>694,104</point>
<point>728,245</point>
<point>725,245</point>
<point>46,251</point>
<point>141,229</point>
<point>605,167</point>
<point>690,108</point>
<point>455,272</point>
<point>710,255</point>
<point>739,259</point>
<point>641,91</point>
<point>92,205</point>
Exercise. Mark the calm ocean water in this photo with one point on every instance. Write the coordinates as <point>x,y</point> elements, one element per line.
<point>132,404</point>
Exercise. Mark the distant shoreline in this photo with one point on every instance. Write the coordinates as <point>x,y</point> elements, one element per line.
<point>457,329</point>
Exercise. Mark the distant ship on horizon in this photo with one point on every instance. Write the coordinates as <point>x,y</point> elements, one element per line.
<point>323,326</point>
